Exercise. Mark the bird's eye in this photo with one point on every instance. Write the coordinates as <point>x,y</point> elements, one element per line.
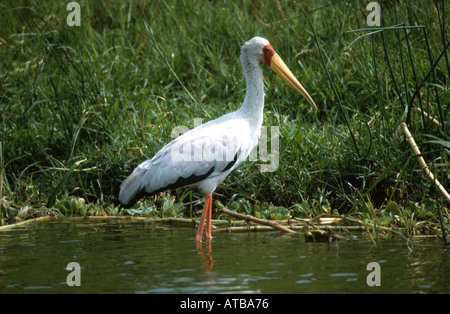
<point>267,49</point>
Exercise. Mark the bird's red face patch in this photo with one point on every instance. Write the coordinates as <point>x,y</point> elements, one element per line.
<point>268,53</point>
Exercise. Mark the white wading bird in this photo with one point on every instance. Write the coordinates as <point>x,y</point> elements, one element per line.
<point>205,156</point>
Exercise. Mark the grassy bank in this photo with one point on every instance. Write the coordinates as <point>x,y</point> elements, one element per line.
<point>81,106</point>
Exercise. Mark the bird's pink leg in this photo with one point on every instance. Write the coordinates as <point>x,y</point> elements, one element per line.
<point>198,237</point>
<point>208,235</point>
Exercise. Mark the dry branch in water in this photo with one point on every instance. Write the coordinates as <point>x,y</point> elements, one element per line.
<point>257,220</point>
<point>424,166</point>
<point>323,236</point>
<point>13,225</point>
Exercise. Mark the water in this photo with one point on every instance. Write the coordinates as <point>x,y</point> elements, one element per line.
<point>139,257</point>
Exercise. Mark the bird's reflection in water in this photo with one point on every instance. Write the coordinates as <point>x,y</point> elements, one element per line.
<point>204,251</point>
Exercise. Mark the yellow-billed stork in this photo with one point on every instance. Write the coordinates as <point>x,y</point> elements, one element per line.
<point>204,156</point>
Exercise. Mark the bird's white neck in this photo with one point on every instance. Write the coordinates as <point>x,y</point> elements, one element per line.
<point>253,105</point>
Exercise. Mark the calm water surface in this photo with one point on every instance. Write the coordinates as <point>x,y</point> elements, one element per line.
<point>139,257</point>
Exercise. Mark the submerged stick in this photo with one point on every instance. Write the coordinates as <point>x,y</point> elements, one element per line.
<point>6,227</point>
<point>168,220</point>
<point>323,236</point>
<point>257,220</point>
<point>422,163</point>
<point>254,228</point>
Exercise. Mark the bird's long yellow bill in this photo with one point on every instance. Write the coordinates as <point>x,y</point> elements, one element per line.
<point>277,64</point>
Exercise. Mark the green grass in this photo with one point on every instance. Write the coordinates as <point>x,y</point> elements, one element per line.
<point>82,106</point>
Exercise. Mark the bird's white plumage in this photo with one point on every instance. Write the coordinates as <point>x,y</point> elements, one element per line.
<point>210,151</point>
<point>198,151</point>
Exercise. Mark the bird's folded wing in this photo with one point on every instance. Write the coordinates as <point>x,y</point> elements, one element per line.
<point>194,156</point>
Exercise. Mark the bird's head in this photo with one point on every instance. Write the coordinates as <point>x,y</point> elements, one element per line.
<point>258,50</point>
